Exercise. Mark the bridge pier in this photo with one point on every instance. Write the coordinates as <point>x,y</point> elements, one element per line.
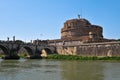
<point>37,52</point>
<point>36,55</point>
<point>12,55</point>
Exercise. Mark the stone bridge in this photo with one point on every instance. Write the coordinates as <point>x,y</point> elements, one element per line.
<point>12,48</point>
<point>69,48</point>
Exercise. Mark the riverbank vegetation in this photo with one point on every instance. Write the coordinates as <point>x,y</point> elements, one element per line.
<point>1,55</point>
<point>71,57</point>
<point>23,55</point>
<point>76,57</point>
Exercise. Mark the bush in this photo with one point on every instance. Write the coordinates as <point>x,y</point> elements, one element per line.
<point>77,57</point>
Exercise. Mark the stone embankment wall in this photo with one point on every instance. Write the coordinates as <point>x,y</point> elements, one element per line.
<point>91,49</point>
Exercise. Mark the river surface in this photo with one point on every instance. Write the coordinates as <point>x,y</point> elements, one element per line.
<point>59,70</point>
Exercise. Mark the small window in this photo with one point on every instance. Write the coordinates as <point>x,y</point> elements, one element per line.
<point>69,27</point>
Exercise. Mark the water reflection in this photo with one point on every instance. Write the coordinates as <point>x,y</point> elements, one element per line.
<point>58,70</point>
<point>8,69</point>
<point>29,70</point>
<point>74,70</point>
<point>112,71</point>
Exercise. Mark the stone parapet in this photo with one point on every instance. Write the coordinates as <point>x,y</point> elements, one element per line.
<point>91,49</point>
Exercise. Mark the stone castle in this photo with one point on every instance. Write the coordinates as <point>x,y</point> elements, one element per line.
<point>80,37</point>
<point>81,29</point>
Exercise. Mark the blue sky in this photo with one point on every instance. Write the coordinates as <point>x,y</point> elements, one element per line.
<point>43,19</point>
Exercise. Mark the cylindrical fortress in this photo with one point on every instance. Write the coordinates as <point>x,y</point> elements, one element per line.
<point>79,28</point>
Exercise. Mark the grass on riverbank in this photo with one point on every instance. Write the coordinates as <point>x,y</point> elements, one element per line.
<point>76,57</point>
<point>71,57</point>
<point>1,55</point>
<point>23,55</point>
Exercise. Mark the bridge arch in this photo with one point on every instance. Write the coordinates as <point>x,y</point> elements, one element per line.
<point>45,52</point>
<point>48,50</point>
<point>28,49</point>
<point>5,49</point>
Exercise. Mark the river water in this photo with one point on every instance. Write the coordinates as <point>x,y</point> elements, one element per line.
<point>59,70</point>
